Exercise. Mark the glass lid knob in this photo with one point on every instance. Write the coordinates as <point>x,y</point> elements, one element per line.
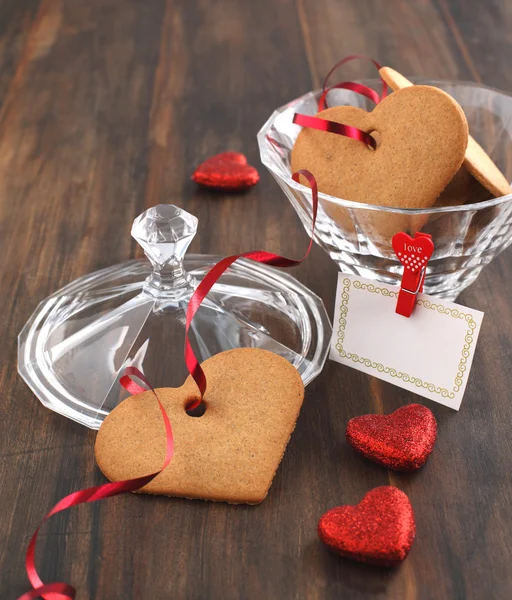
<point>165,232</point>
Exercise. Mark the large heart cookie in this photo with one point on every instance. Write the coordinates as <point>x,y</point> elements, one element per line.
<point>476,159</point>
<point>421,134</point>
<point>379,530</point>
<point>231,453</point>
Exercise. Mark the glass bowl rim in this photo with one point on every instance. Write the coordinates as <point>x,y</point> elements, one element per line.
<point>287,179</point>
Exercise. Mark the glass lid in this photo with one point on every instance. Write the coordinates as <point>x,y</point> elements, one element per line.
<point>74,347</point>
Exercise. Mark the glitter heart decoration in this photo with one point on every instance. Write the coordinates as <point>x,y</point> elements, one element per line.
<point>401,441</point>
<point>379,530</point>
<point>227,171</point>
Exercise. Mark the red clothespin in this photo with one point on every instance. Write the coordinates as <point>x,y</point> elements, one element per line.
<point>414,254</point>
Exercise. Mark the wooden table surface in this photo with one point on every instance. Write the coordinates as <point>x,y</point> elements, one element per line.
<point>106,106</point>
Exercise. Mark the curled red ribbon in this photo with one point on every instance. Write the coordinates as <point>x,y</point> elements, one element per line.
<point>64,591</point>
<point>339,128</point>
<point>260,256</point>
<point>333,127</point>
<point>351,85</point>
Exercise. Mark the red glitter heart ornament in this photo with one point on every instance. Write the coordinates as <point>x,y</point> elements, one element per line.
<point>413,253</point>
<point>401,441</point>
<point>226,171</point>
<point>379,530</point>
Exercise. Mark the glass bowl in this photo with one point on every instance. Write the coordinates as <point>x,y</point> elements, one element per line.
<point>358,236</point>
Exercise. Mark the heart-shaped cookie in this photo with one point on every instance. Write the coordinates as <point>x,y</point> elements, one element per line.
<point>379,530</point>
<point>231,452</point>
<point>476,159</point>
<point>226,171</point>
<point>413,253</point>
<point>401,441</point>
<point>421,134</point>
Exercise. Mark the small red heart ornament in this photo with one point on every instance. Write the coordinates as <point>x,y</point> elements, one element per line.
<point>379,530</point>
<point>413,253</point>
<point>226,171</point>
<point>401,441</point>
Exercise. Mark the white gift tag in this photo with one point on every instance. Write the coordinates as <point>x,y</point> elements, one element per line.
<point>429,353</point>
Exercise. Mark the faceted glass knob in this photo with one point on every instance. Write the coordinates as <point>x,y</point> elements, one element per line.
<point>164,232</point>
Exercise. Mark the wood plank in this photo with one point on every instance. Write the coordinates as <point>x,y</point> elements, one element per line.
<point>16,21</point>
<point>72,168</point>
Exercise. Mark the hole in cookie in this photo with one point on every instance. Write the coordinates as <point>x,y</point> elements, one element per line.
<point>195,410</point>
<point>377,137</point>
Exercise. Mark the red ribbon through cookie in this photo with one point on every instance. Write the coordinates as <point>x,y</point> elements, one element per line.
<point>359,88</point>
<point>64,591</point>
<point>333,127</point>
<point>339,128</point>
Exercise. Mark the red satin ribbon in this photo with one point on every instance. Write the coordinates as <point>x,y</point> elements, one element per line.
<point>281,148</point>
<point>333,127</point>
<point>339,128</point>
<point>63,591</point>
<point>267,258</point>
<point>350,85</point>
